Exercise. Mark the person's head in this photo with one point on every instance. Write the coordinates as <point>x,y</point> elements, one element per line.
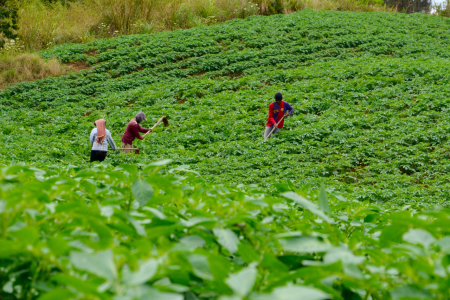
<point>99,121</point>
<point>278,98</point>
<point>140,117</point>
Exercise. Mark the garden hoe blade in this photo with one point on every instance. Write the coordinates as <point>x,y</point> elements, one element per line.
<point>166,122</point>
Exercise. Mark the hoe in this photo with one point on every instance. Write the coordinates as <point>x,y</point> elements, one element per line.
<point>274,127</point>
<point>162,119</point>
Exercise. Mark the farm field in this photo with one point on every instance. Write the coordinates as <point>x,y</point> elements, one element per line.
<point>135,234</point>
<point>370,95</point>
<point>349,201</point>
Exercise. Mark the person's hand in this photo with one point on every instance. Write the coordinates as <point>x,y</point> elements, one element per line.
<point>150,130</point>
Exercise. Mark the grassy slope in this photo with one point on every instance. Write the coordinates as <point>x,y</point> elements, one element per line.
<point>369,93</point>
<point>43,24</point>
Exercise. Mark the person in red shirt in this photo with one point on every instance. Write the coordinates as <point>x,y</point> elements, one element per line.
<point>277,110</point>
<point>132,131</point>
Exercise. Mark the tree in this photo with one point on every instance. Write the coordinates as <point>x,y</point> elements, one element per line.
<point>8,21</point>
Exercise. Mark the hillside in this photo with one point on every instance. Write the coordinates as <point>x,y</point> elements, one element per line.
<point>369,91</point>
<point>248,219</point>
<point>45,23</point>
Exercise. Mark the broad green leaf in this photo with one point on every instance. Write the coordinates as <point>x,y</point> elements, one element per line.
<point>8,287</point>
<point>444,243</point>
<point>167,285</point>
<point>196,220</point>
<point>132,169</point>
<point>247,252</point>
<point>282,187</point>
<point>242,282</point>
<point>293,293</point>
<point>307,205</point>
<point>227,239</point>
<point>200,266</point>
<point>10,248</point>
<point>409,292</point>
<point>84,286</point>
<point>355,223</point>
<point>273,264</point>
<point>392,234</point>
<point>57,245</point>
<point>192,242</point>
<point>146,271</point>
<point>302,292</point>
<point>154,294</point>
<point>305,244</point>
<point>139,228</point>
<point>352,270</point>
<point>57,294</point>
<point>100,263</point>
<point>230,298</point>
<point>142,191</point>
<point>26,235</point>
<point>419,236</point>
<point>103,232</point>
<point>323,200</point>
<point>2,206</point>
<point>161,162</point>
<point>156,212</point>
<point>344,255</point>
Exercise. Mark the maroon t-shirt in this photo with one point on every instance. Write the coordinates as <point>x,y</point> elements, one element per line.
<point>132,132</point>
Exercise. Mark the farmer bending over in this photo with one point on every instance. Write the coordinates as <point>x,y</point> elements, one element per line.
<point>277,110</point>
<point>132,131</point>
<point>100,138</point>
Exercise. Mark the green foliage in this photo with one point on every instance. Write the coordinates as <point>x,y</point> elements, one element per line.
<point>276,6</point>
<point>8,22</point>
<point>68,233</point>
<point>370,96</point>
<point>369,91</point>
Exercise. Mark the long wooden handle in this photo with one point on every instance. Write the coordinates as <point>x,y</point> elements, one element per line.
<point>157,123</point>
<point>154,126</point>
<point>275,127</point>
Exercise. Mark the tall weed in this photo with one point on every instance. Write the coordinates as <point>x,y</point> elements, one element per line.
<point>27,67</point>
<point>42,25</point>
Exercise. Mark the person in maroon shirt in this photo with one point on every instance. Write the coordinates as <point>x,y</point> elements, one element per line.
<point>132,131</point>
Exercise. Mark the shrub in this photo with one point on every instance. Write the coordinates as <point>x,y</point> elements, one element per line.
<point>27,67</point>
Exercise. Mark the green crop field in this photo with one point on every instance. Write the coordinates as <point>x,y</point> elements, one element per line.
<point>370,95</point>
<point>347,202</point>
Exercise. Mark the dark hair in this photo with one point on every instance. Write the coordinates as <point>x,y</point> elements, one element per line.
<point>278,97</point>
<point>140,117</point>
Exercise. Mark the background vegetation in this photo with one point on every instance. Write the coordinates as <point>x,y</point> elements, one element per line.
<point>371,98</point>
<point>43,23</point>
<point>369,90</point>
<point>149,232</point>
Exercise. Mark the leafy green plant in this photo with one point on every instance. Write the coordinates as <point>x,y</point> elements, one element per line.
<point>8,22</point>
<point>368,90</point>
<point>148,231</point>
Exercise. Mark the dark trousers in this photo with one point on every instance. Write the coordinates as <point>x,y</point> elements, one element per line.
<point>98,155</point>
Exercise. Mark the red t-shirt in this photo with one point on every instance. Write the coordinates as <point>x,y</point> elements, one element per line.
<point>132,132</point>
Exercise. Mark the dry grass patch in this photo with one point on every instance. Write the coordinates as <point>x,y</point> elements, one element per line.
<point>28,67</point>
<point>44,25</point>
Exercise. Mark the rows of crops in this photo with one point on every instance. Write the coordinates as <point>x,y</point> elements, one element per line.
<point>132,233</point>
<point>210,211</point>
<point>370,96</point>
